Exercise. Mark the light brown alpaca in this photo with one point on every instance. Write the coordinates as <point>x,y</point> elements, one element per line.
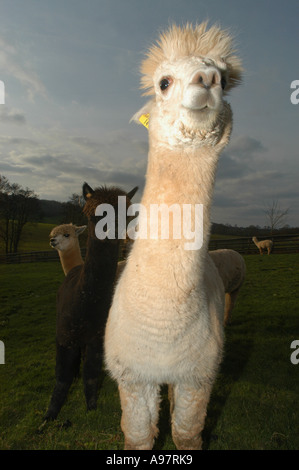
<point>232,270</point>
<point>166,320</point>
<point>64,238</point>
<point>266,245</point>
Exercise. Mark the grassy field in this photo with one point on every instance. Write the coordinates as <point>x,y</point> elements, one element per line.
<point>35,237</point>
<point>254,404</point>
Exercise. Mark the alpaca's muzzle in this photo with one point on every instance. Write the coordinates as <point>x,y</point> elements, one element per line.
<point>207,79</point>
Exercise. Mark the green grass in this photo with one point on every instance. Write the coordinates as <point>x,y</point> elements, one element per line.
<point>35,237</point>
<point>254,404</point>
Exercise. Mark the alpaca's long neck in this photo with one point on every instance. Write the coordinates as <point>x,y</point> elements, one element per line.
<point>183,172</point>
<point>256,242</point>
<point>70,258</point>
<point>182,176</point>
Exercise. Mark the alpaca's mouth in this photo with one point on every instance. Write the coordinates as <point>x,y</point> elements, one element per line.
<point>53,244</point>
<point>191,108</point>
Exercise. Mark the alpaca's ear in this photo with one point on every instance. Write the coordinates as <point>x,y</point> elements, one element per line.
<point>87,191</point>
<point>132,192</point>
<point>79,230</point>
<point>146,109</point>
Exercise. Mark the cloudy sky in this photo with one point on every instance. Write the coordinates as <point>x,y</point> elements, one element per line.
<point>71,75</point>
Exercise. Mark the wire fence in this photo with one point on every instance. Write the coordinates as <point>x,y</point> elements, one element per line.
<point>244,245</point>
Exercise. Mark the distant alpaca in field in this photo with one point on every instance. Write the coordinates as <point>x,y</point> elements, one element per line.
<point>232,270</point>
<point>64,238</point>
<point>83,303</point>
<point>166,321</point>
<point>266,245</point>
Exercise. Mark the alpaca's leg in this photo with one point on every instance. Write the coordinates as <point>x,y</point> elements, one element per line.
<point>91,372</point>
<point>228,308</point>
<point>188,416</point>
<point>140,412</point>
<point>67,365</point>
<point>230,300</point>
<point>171,399</point>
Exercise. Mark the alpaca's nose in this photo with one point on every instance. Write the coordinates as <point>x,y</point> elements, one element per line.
<point>206,79</point>
<point>52,241</point>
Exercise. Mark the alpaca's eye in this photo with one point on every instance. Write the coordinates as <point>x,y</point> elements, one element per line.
<point>223,83</point>
<point>165,82</point>
<point>66,235</point>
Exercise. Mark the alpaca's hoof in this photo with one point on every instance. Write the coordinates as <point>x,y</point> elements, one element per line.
<point>50,416</point>
<point>183,443</point>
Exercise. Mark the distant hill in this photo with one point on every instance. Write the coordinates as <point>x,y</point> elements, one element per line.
<point>55,212</point>
<point>52,211</point>
<point>252,230</point>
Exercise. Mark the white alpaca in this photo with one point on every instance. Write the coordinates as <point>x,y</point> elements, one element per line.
<point>232,270</point>
<point>266,245</point>
<point>166,321</point>
<point>64,238</point>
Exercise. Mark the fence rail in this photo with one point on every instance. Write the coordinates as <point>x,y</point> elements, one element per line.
<point>244,245</point>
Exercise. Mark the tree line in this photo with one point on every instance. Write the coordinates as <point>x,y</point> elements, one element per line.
<point>19,206</point>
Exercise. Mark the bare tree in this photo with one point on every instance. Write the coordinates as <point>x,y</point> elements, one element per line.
<point>275,215</point>
<point>17,207</point>
<point>72,210</point>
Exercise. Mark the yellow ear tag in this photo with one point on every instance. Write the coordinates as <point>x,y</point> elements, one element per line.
<point>144,119</point>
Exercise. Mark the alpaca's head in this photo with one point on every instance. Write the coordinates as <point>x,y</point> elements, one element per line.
<point>65,237</point>
<point>189,71</point>
<point>104,196</point>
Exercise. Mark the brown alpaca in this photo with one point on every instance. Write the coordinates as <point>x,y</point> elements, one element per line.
<point>83,302</point>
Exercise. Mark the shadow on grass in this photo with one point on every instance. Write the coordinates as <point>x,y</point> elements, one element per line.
<point>237,353</point>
